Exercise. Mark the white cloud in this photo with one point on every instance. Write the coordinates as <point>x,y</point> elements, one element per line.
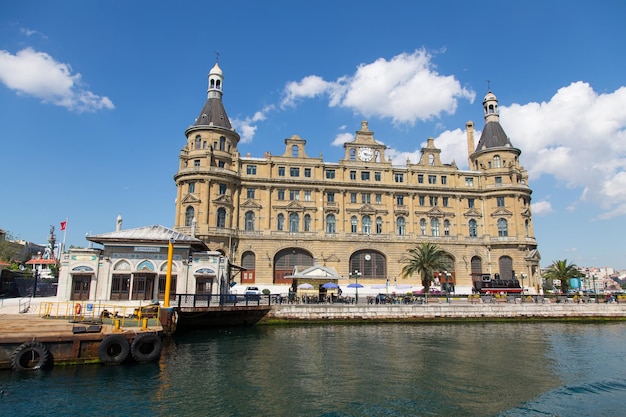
<point>541,207</point>
<point>37,74</point>
<point>404,89</point>
<point>342,138</point>
<point>579,138</point>
<point>247,127</point>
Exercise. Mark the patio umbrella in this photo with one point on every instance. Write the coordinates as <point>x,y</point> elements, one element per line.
<point>355,285</point>
<point>305,286</point>
<point>330,285</point>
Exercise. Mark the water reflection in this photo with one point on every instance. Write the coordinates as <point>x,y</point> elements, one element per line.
<point>482,369</point>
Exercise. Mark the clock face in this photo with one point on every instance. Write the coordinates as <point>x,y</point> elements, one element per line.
<point>366,154</point>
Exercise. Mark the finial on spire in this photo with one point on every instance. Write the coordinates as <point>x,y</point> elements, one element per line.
<point>217,57</point>
<point>488,85</point>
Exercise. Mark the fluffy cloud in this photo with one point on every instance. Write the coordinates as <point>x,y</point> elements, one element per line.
<point>37,74</point>
<point>408,86</point>
<point>579,138</point>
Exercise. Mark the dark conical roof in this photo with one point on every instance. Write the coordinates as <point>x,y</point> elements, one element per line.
<point>213,112</point>
<point>493,136</point>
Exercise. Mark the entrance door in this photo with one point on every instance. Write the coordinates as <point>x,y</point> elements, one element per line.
<point>143,286</point>
<point>80,287</point>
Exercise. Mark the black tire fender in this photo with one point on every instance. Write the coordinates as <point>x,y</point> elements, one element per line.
<point>30,356</point>
<point>114,349</point>
<point>146,347</point>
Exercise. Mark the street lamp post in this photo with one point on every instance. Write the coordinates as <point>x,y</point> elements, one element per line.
<point>356,276</point>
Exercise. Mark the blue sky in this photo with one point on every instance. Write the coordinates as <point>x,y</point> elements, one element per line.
<point>95,98</point>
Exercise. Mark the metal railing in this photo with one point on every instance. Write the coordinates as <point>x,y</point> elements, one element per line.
<point>220,300</point>
<point>97,312</point>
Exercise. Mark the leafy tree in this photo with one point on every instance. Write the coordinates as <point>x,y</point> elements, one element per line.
<point>563,271</point>
<point>424,260</point>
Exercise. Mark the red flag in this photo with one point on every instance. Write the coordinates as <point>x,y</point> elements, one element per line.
<point>63,225</point>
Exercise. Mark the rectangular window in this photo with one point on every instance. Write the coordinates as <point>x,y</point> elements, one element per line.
<point>365,176</point>
<point>196,163</point>
<point>444,180</point>
<point>353,175</point>
<point>307,172</point>
<point>330,196</point>
<point>251,169</point>
<point>330,174</point>
<point>192,187</point>
<point>377,176</point>
<point>420,178</point>
<point>498,180</point>
<point>469,181</point>
<point>399,177</point>
<point>500,201</point>
<point>366,198</point>
<point>222,189</point>
<point>281,171</point>
<point>444,201</point>
<point>250,193</point>
<point>353,197</point>
<point>421,200</point>
<point>400,200</point>
<point>294,172</point>
<point>281,194</point>
<point>470,203</point>
<point>307,195</point>
<point>221,164</point>
<point>294,195</point>
<point>433,201</point>
<point>379,198</point>
<point>432,179</point>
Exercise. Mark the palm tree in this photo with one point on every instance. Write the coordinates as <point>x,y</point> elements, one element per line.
<point>425,259</point>
<point>562,271</point>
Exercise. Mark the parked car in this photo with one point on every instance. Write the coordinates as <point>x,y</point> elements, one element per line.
<point>252,293</point>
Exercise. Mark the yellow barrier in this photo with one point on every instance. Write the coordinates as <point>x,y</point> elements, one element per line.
<point>105,313</point>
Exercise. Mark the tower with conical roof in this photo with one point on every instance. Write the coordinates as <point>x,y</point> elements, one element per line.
<point>207,179</point>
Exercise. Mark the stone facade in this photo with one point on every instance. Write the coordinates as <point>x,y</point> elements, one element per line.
<point>360,214</point>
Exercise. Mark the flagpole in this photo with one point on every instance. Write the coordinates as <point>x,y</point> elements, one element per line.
<point>64,233</point>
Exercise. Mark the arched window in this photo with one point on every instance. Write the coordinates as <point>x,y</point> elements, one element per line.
<point>222,143</point>
<point>249,226</point>
<point>434,227</point>
<point>527,226</point>
<point>353,224</point>
<point>379,225</point>
<point>423,227</point>
<point>503,228</point>
<point>330,224</point>
<point>496,161</point>
<point>446,227</point>
<point>400,226</point>
<point>189,214</point>
<point>353,154</point>
<point>307,222</point>
<point>431,159</point>
<point>367,225</point>
<point>280,222</point>
<point>473,228</point>
<point>221,217</point>
<point>294,151</point>
<point>505,264</point>
<point>198,142</point>
<point>294,222</point>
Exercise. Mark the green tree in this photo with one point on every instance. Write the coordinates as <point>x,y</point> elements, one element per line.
<point>563,271</point>
<point>425,259</point>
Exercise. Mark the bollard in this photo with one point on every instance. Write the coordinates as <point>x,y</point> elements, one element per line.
<point>116,322</point>
<point>144,323</point>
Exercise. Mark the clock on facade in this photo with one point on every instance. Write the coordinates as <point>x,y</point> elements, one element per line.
<point>366,154</point>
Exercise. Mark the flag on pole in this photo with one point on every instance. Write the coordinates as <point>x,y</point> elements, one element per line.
<point>63,225</point>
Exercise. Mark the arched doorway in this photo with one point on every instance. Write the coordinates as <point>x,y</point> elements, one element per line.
<point>248,261</point>
<point>286,259</point>
<point>368,264</point>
